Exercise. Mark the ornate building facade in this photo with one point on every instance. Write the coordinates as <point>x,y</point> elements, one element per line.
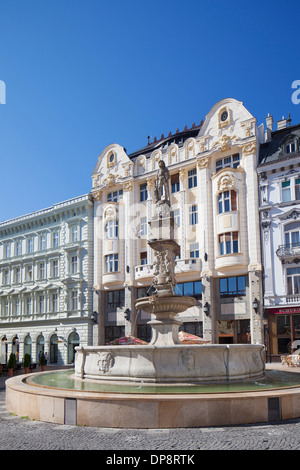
<point>279,185</point>
<point>214,196</point>
<point>46,289</point>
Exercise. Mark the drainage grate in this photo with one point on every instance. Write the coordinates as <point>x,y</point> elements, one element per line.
<point>71,411</point>
<point>274,409</point>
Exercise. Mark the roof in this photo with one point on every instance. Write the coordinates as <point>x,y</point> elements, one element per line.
<point>179,138</point>
<point>272,151</point>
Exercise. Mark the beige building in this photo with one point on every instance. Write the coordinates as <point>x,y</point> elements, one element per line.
<point>214,197</point>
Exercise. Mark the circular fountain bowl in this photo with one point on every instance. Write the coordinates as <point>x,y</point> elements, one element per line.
<point>58,397</point>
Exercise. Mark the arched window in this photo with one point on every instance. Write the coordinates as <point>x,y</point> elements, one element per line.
<point>53,349</point>
<point>15,346</point>
<point>3,352</point>
<point>40,346</point>
<point>27,345</point>
<point>73,341</point>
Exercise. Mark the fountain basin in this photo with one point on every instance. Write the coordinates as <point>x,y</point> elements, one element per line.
<point>84,404</point>
<point>170,364</point>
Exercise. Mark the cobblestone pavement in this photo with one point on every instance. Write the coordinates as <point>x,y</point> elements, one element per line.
<point>20,433</point>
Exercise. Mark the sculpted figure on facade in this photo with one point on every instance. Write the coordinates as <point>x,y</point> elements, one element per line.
<point>162,182</point>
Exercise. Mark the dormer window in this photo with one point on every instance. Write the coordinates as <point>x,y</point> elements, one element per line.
<point>290,146</point>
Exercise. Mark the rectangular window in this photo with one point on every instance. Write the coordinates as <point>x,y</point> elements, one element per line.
<point>30,245</point>
<point>74,233</point>
<point>18,248</point>
<point>55,240</point>
<point>286,191</point>
<point>143,192</point>
<point>7,250</point>
<point>112,229</point>
<point>175,183</point>
<point>111,263</point>
<point>194,250</point>
<point>232,286</point>
<point>144,226</point>
<point>192,178</point>
<point>29,273</point>
<point>41,304</point>
<point>231,161</point>
<point>189,289</point>
<point>115,196</point>
<point>293,281</point>
<point>194,214</point>
<point>297,189</point>
<point>17,306</point>
<point>144,257</point>
<point>177,217</point>
<point>55,268</point>
<point>228,243</point>
<point>74,299</point>
<point>42,271</point>
<point>28,305</point>
<point>43,242</point>
<point>17,275</point>
<point>74,264</point>
<point>116,298</point>
<point>54,302</point>
<point>5,277</point>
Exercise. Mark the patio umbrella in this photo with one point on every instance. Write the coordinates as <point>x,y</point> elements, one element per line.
<point>127,340</point>
<point>187,338</point>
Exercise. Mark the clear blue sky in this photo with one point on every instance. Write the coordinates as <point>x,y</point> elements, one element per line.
<point>81,74</point>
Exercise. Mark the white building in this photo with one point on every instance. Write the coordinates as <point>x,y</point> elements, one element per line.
<point>46,281</point>
<point>214,196</point>
<point>279,182</point>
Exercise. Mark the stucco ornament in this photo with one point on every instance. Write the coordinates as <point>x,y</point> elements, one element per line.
<point>105,361</point>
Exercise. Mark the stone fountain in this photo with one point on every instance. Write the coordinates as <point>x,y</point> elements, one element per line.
<point>165,384</point>
<point>166,360</point>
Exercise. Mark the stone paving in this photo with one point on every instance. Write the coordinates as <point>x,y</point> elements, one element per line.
<point>20,433</point>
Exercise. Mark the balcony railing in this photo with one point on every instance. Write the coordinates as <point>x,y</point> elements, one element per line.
<point>181,265</point>
<point>288,250</point>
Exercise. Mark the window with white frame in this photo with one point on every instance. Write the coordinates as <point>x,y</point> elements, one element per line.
<point>43,242</point>
<point>175,183</point>
<point>144,226</point>
<point>17,275</point>
<point>6,308</point>
<point>293,281</point>
<point>227,201</point>
<point>28,304</point>
<point>54,268</point>
<point>74,299</point>
<point>29,273</point>
<point>74,264</point>
<point>55,239</point>
<point>115,196</point>
<point>228,243</point>
<point>177,217</point>
<point>232,161</point>
<point>18,247</point>
<point>7,250</point>
<point>111,263</point>
<point>111,228</point>
<point>74,233</point>
<point>193,214</point>
<point>30,245</point>
<point>143,192</point>
<point>5,277</point>
<point>194,250</point>
<point>292,234</point>
<point>54,302</point>
<point>42,271</point>
<point>290,189</point>
<point>290,146</point>
<point>41,303</point>
<point>192,178</point>
<point>16,304</point>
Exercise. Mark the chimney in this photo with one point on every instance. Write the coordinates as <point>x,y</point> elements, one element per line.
<point>282,124</point>
<point>269,129</point>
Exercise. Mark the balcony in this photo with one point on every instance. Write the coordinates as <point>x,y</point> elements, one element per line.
<point>288,251</point>
<point>145,271</point>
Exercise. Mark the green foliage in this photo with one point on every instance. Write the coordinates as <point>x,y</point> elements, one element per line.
<point>27,360</point>
<point>42,360</point>
<point>12,361</point>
